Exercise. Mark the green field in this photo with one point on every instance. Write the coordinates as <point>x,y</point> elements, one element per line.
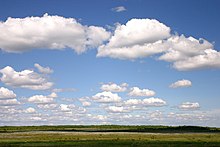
<point>108,136</point>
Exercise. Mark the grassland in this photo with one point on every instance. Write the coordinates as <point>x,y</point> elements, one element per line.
<point>108,136</point>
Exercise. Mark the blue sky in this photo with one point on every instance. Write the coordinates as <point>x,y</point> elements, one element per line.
<point>109,62</point>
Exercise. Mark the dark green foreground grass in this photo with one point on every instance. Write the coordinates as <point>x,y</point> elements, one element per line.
<point>111,128</point>
<point>119,143</point>
<point>108,139</point>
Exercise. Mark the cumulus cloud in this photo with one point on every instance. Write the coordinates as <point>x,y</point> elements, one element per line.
<point>106,97</point>
<point>181,48</point>
<point>135,91</point>
<point>154,38</point>
<point>6,93</point>
<point>112,87</point>
<point>41,99</point>
<point>189,106</point>
<point>181,83</point>
<point>9,102</point>
<point>85,101</point>
<point>47,106</point>
<point>64,107</point>
<point>100,117</point>
<point>209,59</point>
<point>116,109</point>
<point>30,110</point>
<point>157,102</point>
<point>49,32</point>
<point>24,79</point>
<point>44,70</point>
<point>119,9</point>
<point>130,41</point>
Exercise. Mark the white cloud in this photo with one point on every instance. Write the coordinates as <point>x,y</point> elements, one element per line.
<point>112,87</point>
<point>116,109</point>
<point>30,110</point>
<point>8,102</point>
<point>135,91</point>
<point>100,117</point>
<point>181,48</point>
<point>130,41</point>
<point>106,97</point>
<point>154,102</point>
<point>133,102</point>
<point>47,106</point>
<point>190,53</point>
<point>49,32</point>
<point>181,83</point>
<point>36,118</point>
<point>63,90</point>
<point>6,93</point>
<point>24,79</point>
<point>210,59</point>
<point>119,9</point>
<point>64,107</point>
<point>86,103</point>
<point>44,70</point>
<point>154,38</point>
<point>53,95</point>
<point>41,99</point>
<point>189,106</point>
<point>151,102</point>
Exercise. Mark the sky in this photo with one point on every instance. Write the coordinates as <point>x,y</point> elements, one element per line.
<point>125,62</point>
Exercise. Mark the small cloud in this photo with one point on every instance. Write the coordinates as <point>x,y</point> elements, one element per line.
<point>30,110</point>
<point>181,83</point>
<point>119,9</point>
<point>112,87</point>
<point>106,97</point>
<point>44,70</point>
<point>189,106</point>
<point>135,91</point>
<point>24,79</point>
<point>6,93</point>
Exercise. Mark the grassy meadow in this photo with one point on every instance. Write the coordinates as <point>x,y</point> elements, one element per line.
<point>108,136</point>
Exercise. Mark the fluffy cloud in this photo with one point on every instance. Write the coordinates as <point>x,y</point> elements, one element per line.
<point>9,102</point>
<point>100,117</point>
<point>6,93</point>
<point>116,109</point>
<point>30,110</point>
<point>119,9</point>
<point>47,106</point>
<point>44,70</point>
<point>135,91</point>
<point>49,32</point>
<point>64,107</point>
<point>157,102</point>
<point>152,37</point>
<point>85,101</point>
<point>106,97</point>
<point>181,83</point>
<point>181,48</point>
<point>41,99</point>
<point>209,59</point>
<point>130,41</point>
<point>154,102</point>
<point>112,87</point>
<point>24,79</point>
<point>189,106</point>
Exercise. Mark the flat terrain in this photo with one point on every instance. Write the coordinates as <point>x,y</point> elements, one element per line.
<point>92,136</point>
